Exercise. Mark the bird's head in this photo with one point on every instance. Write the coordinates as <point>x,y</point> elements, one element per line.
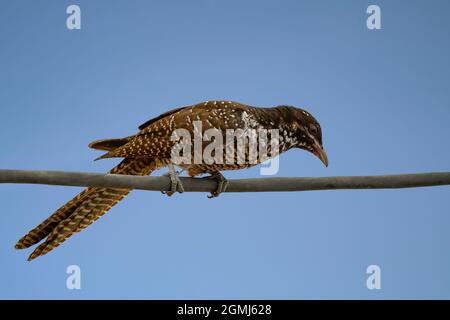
<point>307,131</point>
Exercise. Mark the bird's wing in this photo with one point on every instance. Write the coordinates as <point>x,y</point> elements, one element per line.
<point>163,115</point>
<point>155,138</point>
<point>109,144</point>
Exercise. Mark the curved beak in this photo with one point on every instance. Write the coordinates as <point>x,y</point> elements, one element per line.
<point>320,153</point>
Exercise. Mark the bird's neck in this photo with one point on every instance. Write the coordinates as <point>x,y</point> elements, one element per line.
<point>276,117</point>
<point>279,118</point>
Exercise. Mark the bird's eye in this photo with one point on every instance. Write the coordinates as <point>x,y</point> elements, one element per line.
<point>313,129</point>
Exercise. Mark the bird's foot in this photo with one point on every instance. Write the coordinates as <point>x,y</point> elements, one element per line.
<point>222,184</point>
<point>175,182</point>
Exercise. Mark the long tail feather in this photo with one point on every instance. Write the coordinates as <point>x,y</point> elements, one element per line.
<point>82,210</point>
<point>44,229</point>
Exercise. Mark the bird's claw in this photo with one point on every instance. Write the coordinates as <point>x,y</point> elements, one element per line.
<point>222,184</point>
<point>175,183</point>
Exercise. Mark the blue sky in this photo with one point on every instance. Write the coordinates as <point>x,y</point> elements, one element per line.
<point>382,98</point>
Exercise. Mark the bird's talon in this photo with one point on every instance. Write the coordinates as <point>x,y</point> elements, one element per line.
<point>222,184</point>
<point>175,182</point>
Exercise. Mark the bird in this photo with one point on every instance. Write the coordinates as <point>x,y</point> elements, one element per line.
<point>152,148</point>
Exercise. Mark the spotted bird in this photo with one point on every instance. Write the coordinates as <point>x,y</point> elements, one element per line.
<point>150,149</point>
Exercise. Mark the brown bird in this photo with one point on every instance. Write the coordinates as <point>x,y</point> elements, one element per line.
<point>151,149</point>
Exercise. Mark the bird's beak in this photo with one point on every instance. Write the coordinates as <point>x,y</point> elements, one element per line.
<point>320,153</point>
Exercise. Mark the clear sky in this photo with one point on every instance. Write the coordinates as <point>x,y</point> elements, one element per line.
<point>381,96</point>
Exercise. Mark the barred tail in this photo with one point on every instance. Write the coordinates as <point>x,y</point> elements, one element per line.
<point>81,211</point>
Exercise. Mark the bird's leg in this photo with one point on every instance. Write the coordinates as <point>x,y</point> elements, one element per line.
<point>222,184</point>
<point>175,182</point>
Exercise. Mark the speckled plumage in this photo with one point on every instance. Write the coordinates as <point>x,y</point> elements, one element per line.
<point>150,149</point>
